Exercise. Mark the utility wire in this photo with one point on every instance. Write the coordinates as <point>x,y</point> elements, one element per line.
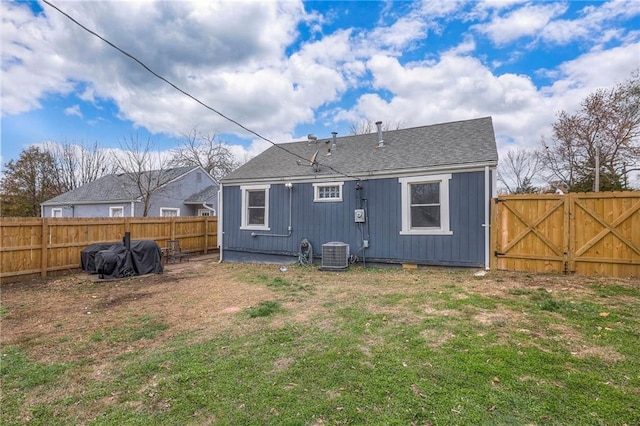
<point>155,74</point>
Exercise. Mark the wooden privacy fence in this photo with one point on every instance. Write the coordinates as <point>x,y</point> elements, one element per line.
<point>594,233</point>
<point>31,246</point>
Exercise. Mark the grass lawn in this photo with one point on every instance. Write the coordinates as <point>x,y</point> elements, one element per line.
<point>234,344</point>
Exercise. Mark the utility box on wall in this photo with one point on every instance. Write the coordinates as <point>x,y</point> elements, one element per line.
<point>359,215</point>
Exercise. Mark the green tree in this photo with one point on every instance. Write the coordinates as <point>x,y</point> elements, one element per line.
<point>27,182</point>
<point>604,131</point>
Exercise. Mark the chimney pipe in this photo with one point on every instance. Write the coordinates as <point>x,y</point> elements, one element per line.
<point>380,141</point>
<point>334,144</point>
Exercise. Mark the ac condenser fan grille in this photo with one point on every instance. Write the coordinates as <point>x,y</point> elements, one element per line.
<point>335,255</point>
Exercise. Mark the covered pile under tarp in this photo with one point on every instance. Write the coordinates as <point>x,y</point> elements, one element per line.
<point>115,260</point>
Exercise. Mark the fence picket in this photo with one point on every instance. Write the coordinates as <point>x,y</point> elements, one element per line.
<point>599,233</point>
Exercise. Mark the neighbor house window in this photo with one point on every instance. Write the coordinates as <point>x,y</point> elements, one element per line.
<point>327,192</point>
<point>425,205</point>
<point>169,212</point>
<point>206,212</point>
<point>255,207</point>
<point>116,211</point>
<point>56,212</point>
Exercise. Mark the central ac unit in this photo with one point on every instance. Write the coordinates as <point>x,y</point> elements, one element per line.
<point>335,255</point>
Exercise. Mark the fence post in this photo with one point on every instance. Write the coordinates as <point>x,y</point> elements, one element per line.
<point>44,252</point>
<point>206,233</point>
<point>493,247</point>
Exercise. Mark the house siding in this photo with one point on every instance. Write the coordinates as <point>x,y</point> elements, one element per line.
<point>88,210</point>
<point>334,221</point>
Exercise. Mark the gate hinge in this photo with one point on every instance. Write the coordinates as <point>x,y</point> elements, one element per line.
<point>497,253</point>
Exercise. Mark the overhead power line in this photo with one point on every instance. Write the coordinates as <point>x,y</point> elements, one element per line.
<point>160,77</point>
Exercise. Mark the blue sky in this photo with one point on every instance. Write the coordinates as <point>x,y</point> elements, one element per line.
<point>286,69</point>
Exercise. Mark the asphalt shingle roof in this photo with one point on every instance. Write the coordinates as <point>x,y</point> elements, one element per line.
<point>200,197</point>
<point>115,187</point>
<point>457,143</point>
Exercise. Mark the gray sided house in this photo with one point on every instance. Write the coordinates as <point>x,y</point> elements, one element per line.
<point>419,195</point>
<point>181,191</point>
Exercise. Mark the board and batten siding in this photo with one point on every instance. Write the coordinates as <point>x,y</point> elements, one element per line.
<point>334,221</point>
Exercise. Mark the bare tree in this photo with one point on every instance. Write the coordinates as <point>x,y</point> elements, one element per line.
<point>518,171</point>
<point>368,126</point>
<point>145,169</point>
<point>600,139</point>
<point>78,163</point>
<point>206,150</point>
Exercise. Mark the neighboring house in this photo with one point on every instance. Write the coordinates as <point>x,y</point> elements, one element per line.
<point>419,195</point>
<point>184,191</point>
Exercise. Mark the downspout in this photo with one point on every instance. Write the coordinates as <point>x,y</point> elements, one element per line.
<point>220,228</point>
<point>132,209</point>
<point>211,209</point>
<point>487,218</point>
<point>41,210</point>
<point>289,228</point>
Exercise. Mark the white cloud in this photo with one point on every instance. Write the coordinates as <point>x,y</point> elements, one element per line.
<point>461,87</point>
<point>525,21</point>
<point>246,61</point>
<point>73,110</point>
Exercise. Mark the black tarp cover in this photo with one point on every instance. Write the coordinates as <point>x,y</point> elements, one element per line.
<point>114,260</point>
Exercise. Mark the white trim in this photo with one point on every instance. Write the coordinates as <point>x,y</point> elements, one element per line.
<point>405,199</point>
<point>57,210</point>
<point>487,215</point>
<point>245,189</point>
<point>316,192</point>
<point>114,208</point>
<point>169,209</point>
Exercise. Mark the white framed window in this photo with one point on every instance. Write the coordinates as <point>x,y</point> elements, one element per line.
<point>169,212</point>
<point>255,207</point>
<point>206,212</point>
<point>116,211</point>
<point>327,192</point>
<point>425,205</point>
<point>56,212</point>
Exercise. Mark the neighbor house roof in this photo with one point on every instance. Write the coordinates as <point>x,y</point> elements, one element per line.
<point>457,144</point>
<point>203,196</point>
<point>114,188</point>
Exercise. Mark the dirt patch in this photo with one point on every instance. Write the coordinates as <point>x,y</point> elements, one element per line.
<point>76,317</point>
<point>66,317</point>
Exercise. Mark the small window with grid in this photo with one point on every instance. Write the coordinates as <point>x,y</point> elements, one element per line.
<point>327,192</point>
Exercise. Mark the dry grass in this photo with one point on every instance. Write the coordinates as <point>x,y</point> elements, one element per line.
<point>76,318</point>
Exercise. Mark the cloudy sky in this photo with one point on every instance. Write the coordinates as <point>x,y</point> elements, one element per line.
<point>286,69</point>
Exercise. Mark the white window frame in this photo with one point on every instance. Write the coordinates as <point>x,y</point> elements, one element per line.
<point>316,192</point>
<point>56,212</point>
<point>169,209</point>
<point>443,181</point>
<point>113,209</point>
<point>209,212</point>
<point>245,189</point>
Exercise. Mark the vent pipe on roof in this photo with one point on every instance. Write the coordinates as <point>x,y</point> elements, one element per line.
<point>380,141</point>
<point>334,144</point>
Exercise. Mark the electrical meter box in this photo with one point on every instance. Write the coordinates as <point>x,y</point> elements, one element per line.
<point>359,215</point>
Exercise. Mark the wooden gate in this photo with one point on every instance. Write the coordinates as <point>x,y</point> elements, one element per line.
<point>583,233</point>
